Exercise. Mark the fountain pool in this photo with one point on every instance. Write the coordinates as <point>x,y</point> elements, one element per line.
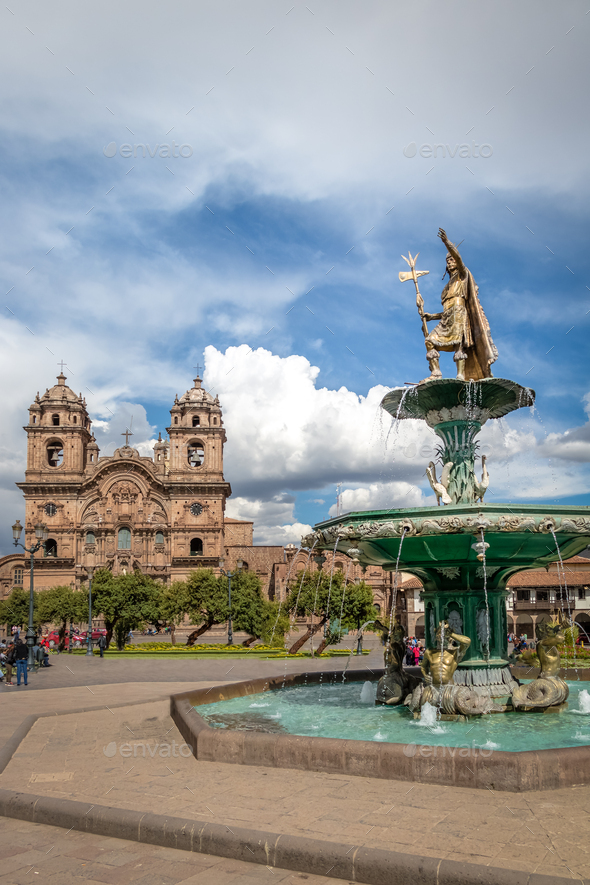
<point>347,711</point>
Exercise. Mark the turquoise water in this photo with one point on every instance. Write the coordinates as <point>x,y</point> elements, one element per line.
<point>337,711</point>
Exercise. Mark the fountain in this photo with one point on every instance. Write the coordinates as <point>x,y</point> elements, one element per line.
<point>465,553</point>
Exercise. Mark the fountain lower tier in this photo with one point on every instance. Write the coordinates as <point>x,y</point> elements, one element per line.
<point>437,547</point>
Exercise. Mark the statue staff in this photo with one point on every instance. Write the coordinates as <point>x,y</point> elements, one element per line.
<point>413,274</point>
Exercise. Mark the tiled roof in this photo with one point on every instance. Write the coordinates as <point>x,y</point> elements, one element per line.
<point>538,577</point>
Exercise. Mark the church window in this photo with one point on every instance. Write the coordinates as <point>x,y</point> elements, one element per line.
<point>34,419</point>
<point>159,537</point>
<point>90,538</point>
<point>55,420</point>
<point>91,458</point>
<point>55,454</point>
<point>195,454</point>
<point>196,420</point>
<point>159,457</point>
<point>75,420</point>
<point>196,547</point>
<point>17,577</point>
<point>215,420</point>
<point>176,419</point>
<point>124,539</point>
<point>51,547</point>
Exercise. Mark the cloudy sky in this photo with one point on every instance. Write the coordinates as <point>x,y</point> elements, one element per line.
<point>234,184</point>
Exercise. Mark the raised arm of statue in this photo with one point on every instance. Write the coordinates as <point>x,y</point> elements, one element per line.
<point>460,267</point>
<point>463,643</point>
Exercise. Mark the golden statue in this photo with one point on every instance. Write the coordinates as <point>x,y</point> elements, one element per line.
<point>439,664</point>
<point>439,689</point>
<point>463,327</point>
<point>548,689</point>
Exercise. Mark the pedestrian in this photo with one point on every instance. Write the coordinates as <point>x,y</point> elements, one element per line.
<point>9,662</point>
<point>102,644</point>
<point>409,656</point>
<point>416,655</point>
<point>21,655</point>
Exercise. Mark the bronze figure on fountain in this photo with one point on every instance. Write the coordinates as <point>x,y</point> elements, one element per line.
<point>463,328</point>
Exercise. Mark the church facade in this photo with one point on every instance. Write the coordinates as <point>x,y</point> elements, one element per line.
<point>163,515</point>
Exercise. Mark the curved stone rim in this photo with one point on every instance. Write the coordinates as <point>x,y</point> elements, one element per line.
<point>528,770</point>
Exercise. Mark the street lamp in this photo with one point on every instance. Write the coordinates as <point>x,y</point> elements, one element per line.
<point>229,576</point>
<point>41,533</point>
<point>90,572</point>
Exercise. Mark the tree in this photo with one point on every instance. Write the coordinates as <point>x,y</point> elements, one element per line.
<point>61,604</point>
<point>336,606</point>
<point>172,607</point>
<point>254,614</point>
<point>204,598</point>
<point>126,602</point>
<point>14,610</point>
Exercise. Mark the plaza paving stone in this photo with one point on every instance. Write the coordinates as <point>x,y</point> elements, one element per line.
<point>32,853</point>
<point>64,757</point>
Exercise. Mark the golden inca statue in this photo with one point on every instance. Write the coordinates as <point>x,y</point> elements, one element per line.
<point>463,328</point>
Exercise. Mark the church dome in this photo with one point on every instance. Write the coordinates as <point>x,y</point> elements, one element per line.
<point>196,395</point>
<point>60,392</point>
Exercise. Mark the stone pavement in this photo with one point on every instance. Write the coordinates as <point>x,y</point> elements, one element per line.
<point>57,857</point>
<point>133,757</point>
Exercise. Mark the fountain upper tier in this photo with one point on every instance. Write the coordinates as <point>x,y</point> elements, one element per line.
<point>449,399</point>
<point>437,544</point>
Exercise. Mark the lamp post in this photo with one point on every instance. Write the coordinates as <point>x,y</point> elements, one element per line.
<point>90,572</point>
<point>41,533</point>
<point>229,576</point>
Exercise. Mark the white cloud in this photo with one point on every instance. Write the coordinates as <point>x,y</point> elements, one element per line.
<point>274,522</point>
<point>127,416</point>
<point>382,496</point>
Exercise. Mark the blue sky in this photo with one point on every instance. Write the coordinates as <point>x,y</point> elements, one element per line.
<point>275,246</point>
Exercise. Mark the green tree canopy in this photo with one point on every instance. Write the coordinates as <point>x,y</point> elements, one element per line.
<point>335,605</point>
<point>204,598</point>
<point>126,602</point>
<point>61,604</point>
<point>254,614</point>
<point>14,610</point>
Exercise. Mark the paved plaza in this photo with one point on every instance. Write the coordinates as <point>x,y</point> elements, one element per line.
<point>128,754</point>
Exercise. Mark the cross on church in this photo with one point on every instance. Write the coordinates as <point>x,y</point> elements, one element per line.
<point>127,434</point>
<point>62,364</point>
<point>198,368</point>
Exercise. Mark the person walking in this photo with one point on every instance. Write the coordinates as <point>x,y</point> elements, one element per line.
<point>9,661</point>
<point>21,655</point>
<point>102,644</point>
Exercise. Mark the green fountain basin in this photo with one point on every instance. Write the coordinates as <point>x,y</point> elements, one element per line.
<point>436,545</point>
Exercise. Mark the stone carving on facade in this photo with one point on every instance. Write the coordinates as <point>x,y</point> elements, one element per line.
<point>124,491</point>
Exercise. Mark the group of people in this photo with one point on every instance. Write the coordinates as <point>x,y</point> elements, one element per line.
<point>14,655</point>
<point>414,652</point>
<point>521,643</point>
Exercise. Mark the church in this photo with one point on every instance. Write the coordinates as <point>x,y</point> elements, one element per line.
<point>163,515</point>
